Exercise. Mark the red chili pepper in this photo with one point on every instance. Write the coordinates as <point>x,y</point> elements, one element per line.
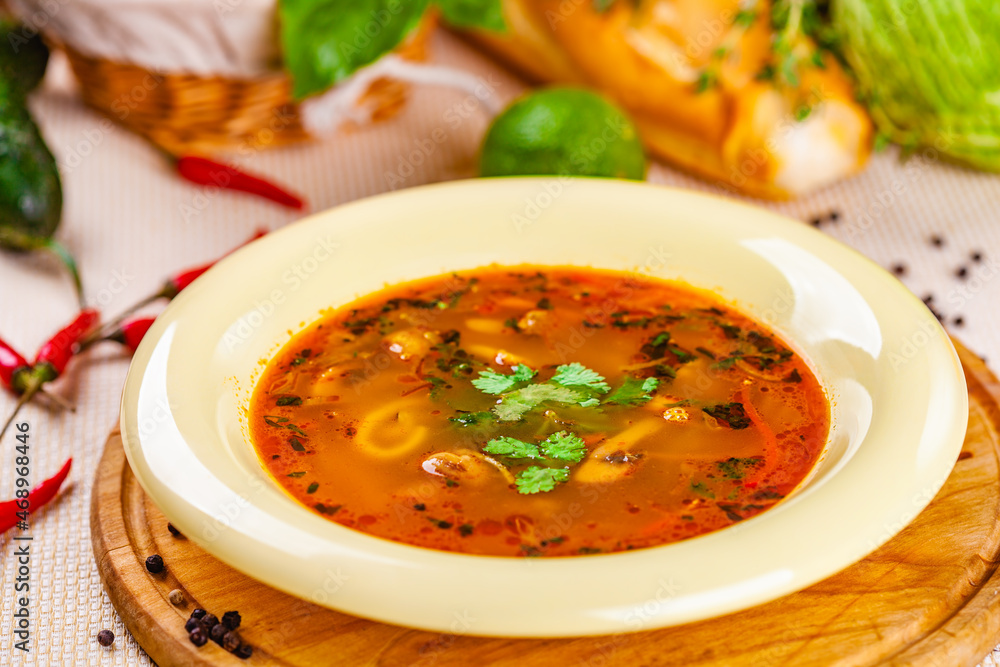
<point>215,174</point>
<point>12,367</point>
<point>171,288</point>
<point>37,498</point>
<point>130,333</point>
<point>51,359</point>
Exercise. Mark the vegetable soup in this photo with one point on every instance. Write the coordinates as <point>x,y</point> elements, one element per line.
<point>538,411</point>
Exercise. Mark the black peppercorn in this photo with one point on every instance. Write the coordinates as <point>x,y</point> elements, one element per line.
<point>937,241</point>
<point>961,272</point>
<point>232,619</point>
<point>191,624</point>
<point>208,621</point>
<point>231,641</point>
<point>173,531</point>
<point>105,637</point>
<point>154,564</point>
<point>834,216</point>
<point>899,269</point>
<point>959,321</point>
<point>976,256</point>
<point>217,633</point>
<point>244,651</point>
<point>816,222</point>
<point>198,613</point>
<point>198,637</point>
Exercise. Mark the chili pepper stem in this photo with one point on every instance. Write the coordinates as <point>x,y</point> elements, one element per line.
<point>32,387</point>
<point>60,251</point>
<point>98,334</point>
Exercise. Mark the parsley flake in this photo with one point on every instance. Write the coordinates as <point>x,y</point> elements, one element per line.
<point>736,468</point>
<point>730,413</point>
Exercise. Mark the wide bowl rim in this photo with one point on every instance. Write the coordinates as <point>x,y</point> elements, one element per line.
<point>256,555</point>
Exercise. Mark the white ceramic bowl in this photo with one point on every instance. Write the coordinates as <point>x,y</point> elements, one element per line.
<point>898,392</point>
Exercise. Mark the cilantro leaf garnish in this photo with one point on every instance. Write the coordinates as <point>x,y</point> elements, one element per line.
<point>288,400</point>
<point>490,382</point>
<point>564,447</point>
<point>507,446</point>
<point>536,479</point>
<point>578,375</point>
<point>634,391</point>
<point>514,405</point>
<point>730,413</point>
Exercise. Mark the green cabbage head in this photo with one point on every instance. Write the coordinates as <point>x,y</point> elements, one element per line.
<point>929,70</point>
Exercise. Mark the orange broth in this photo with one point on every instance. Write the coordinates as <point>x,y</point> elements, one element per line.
<point>538,411</point>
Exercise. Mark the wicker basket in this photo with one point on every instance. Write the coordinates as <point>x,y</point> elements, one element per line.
<point>184,113</point>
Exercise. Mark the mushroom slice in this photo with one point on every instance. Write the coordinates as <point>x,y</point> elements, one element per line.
<point>464,465</point>
<point>608,463</point>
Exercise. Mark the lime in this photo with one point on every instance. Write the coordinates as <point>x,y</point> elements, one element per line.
<point>562,131</point>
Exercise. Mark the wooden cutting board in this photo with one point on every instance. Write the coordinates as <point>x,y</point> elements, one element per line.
<point>928,597</point>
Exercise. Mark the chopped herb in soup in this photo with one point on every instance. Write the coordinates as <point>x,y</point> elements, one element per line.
<point>538,411</point>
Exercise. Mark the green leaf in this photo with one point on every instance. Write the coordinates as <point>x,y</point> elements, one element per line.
<point>523,373</point>
<point>472,418</point>
<point>589,403</point>
<point>564,447</point>
<point>727,363</point>
<point>486,14</point>
<point>490,382</point>
<point>660,339</point>
<point>327,509</point>
<point>515,404</point>
<point>297,474</point>
<point>634,391</point>
<point>326,41</point>
<point>683,356</point>
<point>730,413</point>
<point>578,375</point>
<point>702,490</point>
<point>536,479</point>
<point>736,468</point>
<point>289,400</point>
<point>313,487</point>
<point>512,447</point>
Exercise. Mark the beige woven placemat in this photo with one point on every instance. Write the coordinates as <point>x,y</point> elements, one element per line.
<point>131,222</point>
